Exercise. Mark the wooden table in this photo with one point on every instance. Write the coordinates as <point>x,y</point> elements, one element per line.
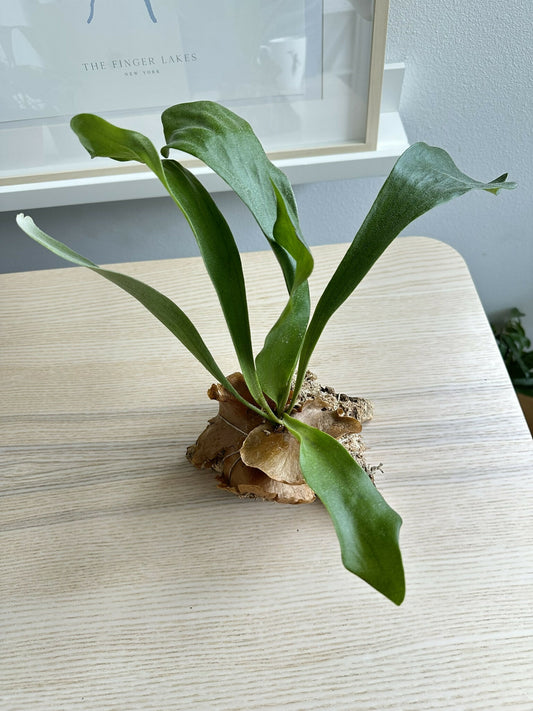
<point>129,581</point>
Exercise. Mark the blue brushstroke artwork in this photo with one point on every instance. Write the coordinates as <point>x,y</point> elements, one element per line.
<point>146,2</point>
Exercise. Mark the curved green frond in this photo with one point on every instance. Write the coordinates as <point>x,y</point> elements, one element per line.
<point>104,139</point>
<point>227,144</point>
<point>158,304</point>
<point>222,262</point>
<point>422,178</point>
<point>366,526</point>
<point>213,236</point>
<point>278,359</point>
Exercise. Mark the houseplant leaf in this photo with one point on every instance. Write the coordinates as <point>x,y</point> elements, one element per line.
<point>366,526</point>
<point>515,350</point>
<point>277,360</point>
<point>213,236</point>
<point>422,178</point>
<point>104,139</point>
<point>158,304</point>
<point>226,143</point>
<point>222,262</point>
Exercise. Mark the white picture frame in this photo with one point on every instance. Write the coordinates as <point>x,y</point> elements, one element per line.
<point>341,117</point>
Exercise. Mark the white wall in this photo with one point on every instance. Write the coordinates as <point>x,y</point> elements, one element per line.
<point>468,89</point>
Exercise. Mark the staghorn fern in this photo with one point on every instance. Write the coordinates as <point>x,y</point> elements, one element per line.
<point>423,177</point>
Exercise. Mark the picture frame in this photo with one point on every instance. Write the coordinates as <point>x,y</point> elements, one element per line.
<point>329,107</point>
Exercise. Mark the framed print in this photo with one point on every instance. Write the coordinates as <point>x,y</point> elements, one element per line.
<point>305,73</point>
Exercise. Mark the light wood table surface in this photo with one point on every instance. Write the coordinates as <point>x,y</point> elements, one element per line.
<point>129,581</point>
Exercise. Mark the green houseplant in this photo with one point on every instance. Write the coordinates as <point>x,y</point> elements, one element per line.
<point>267,389</point>
<point>515,348</point>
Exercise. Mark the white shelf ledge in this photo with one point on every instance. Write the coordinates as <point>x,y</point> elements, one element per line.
<point>392,141</point>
